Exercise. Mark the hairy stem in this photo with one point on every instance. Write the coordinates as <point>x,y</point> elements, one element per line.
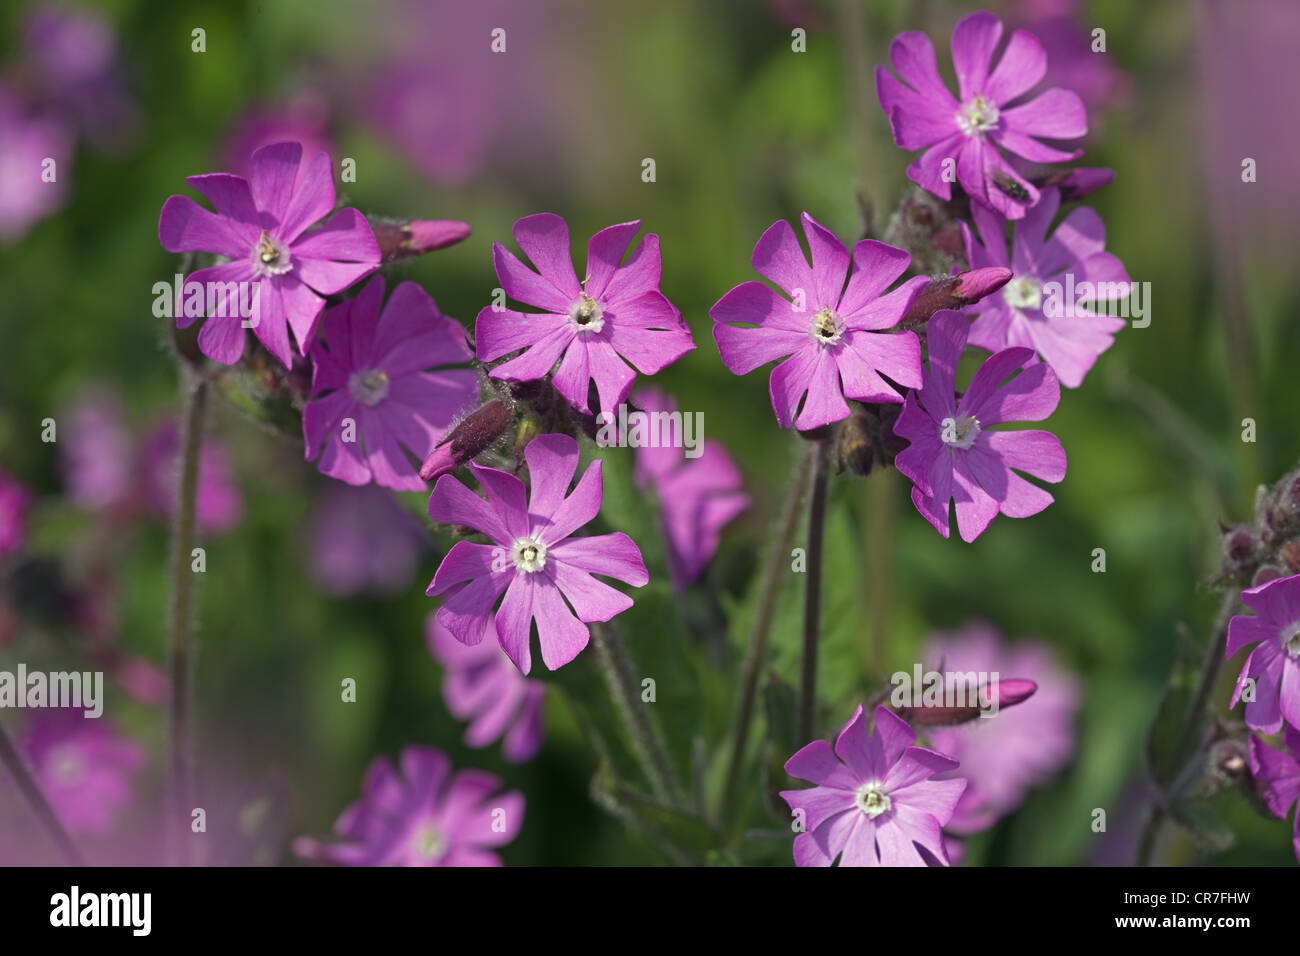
<point>812,607</point>
<point>1193,731</point>
<point>31,791</point>
<point>180,776</point>
<point>777,555</point>
<point>617,667</point>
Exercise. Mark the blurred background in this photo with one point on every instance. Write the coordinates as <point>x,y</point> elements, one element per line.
<point>743,130</point>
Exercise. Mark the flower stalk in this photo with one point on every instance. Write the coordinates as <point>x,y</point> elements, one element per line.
<point>819,452</point>
<point>31,791</point>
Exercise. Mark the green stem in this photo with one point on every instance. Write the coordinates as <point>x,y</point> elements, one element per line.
<point>777,556</point>
<point>31,791</point>
<point>1189,744</point>
<point>180,776</point>
<point>812,608</point>
<point>619,675</point>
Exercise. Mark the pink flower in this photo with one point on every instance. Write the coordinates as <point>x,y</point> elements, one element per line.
<point>697,496</point>
<point>371,395</point>
<point>483,688</point>
<point>835,335</point>
<point>533,558</point>
<point>1277,775</point>
<point>83,768</point>
<point>1272,671</point>
<point>969,136</point>
<point>15,500</point>
<point>264,227</point>
<point>423,816</point>
<point>219,507</point>
<point>956,455</point>
<point>1032,312</point>
<point>591,327</point>
<point>876,802</point>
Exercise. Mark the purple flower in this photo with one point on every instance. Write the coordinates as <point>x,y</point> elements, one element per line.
<point>969,137</point>
<point>955,455</point>
<point>833,334</point>
<point>371,395</point>
<point>363,541</point>
<point>1037,308</point>
<point>83,768</point>
<point>590,327</point>
<point>876,802</point>
<point>220,506</point>
<point>15,500</point>
<point>483,688</point>
<point>1277,775</point>
<point>1003,756</point>
<point>424,815</point>
<point>1270,679</point>
<point>302,121</point>
<point>697,496</point>
<point>97,451</point>
<point>263,227</point>
<point>29,140</point>
<point>533,558</point>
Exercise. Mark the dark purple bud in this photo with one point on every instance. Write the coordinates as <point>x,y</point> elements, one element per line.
<point>1003,693</point>
<point>855,444</point>
<point>953,292</point>
<point>473,436</point>
<point>1264,575</point>
<point>1241,547</point>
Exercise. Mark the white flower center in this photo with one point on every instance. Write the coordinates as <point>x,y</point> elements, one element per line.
<point>586,314</point>
<point>1023,292</point>
<point>872,800</point>
<point>369,387</point>
<point>270,258</point>
<point>959,432</point>
<point>67,766</point>
<point>977,116</point>
<point>528,554</point>
<point>1290,638</point>
<point>827,327</point>
<point>429,842</point>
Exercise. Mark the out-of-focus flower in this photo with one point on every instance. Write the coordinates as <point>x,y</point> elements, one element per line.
<point>15,500</point>
<point>834,335</point>
<point>955,455</point>
<point>1277,775</point>
<point>363,541</point>
<point>304,120</point>
<point>97,451</point>
<point>1071,61</point>
<point>533,559</point>
<point>1003,756</point>
<point>877,802</point>
<point>1270,679</point>
<point>970,136</point>
<point>371,395</point>
<point>482,687</point>
<point>264,227</point>
<point>590,327</point>
<point>83,767</point>
<point>697,496</point>
<point>35,164</point>
<point>70,55</point>
<point>424,815</point>
<point>1037,308</point>
<point>219,506</point>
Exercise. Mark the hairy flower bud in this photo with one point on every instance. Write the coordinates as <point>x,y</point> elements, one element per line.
<point>473,436</point>
<point>954,292</point>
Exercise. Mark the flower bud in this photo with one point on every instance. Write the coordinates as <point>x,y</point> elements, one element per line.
<point>1003,693</point>
<point>402,240</point>
<point>953,292</point>
<point>1074,184</point>
<point>473,436</point>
